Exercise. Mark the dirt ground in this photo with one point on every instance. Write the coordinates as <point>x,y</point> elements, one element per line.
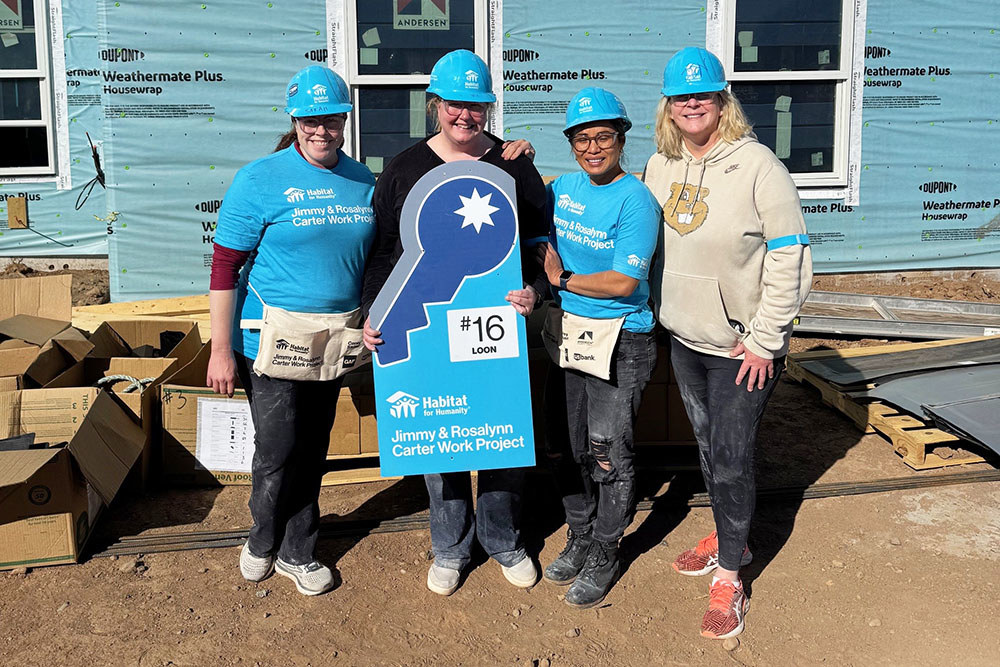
<point>899,578</point>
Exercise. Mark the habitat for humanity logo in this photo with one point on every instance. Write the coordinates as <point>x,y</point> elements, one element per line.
<point>640,262</point>
<point>471,79</point>
<point>293,194</point>
<point>319,94</point>
<point>585,105</point>
<point>282,345</point>
<point>568,204</point>
<point>403,405</point>
<point>692,73</point>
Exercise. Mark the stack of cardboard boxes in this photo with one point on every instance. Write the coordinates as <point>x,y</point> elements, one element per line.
<point>207,437</point>
<point>70,435</point>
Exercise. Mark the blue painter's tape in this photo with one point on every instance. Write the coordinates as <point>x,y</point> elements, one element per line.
<point>784,241</point>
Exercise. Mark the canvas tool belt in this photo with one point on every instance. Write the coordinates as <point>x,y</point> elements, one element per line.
<point>581,343</point>
<point>307,346</point>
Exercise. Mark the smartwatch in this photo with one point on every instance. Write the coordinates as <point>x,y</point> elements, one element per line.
<point>563,278</point>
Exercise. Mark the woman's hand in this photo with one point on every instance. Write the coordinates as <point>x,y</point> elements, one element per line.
<point>221,376</point>
<point>514,149</point>
<point>756,369</point>
<point>370,336</point>
<point>552,263</point>
<point>523,300</point>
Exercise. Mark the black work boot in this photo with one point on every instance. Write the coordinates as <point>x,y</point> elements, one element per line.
<point>564,569</point>
<point>598,575</point>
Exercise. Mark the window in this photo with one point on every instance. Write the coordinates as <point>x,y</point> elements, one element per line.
<point>392,46</point>
<point>26,131</point>
<point>790,63</point>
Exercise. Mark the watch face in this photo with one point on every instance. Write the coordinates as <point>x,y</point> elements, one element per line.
<point>565,275</point>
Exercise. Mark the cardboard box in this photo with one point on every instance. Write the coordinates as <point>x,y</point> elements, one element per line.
<point>143,403</point>
<point>38,348</point>
<point>46,296</point>
<point>147,337</point>
<point>184,399</point>
<point>50,498</point>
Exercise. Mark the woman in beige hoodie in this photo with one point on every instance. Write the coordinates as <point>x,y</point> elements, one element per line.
<point>733,268</point>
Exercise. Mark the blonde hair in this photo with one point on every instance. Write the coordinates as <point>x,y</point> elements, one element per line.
<point>733,124</point>
<point>433,102</point>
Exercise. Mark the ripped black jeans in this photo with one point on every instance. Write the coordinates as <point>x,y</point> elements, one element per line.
<point>590,420</point>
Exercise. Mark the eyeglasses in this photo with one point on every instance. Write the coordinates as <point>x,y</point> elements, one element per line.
<point>455,108</point>
<point>581,142</point>
<point>331,123</point>
<point>681,100</point>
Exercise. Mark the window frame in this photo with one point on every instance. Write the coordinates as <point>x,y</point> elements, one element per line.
<point>842,77</point>
<point>355,81</point>
<point>43,73</point>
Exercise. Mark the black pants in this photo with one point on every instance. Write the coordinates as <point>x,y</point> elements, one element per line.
<point>725,417</point>
<point>588,419</point>
<point>292,419</point>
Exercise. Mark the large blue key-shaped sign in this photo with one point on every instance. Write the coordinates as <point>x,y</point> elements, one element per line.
<point>451,378</point>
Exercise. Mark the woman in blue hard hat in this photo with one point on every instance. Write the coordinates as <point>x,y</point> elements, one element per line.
<point>461,97</point>
<point>604,229</point>
<point>733,270</point>
<point>269,228</point>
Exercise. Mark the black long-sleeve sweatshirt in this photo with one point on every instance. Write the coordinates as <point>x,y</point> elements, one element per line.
<point>399,177</point>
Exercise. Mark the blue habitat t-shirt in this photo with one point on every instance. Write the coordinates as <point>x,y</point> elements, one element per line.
<point>610,227</point>
<point>311,229</point>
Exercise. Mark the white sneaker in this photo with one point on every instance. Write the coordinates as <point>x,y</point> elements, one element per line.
<point>522,575</point>
<point>255,568</point>
<point>310,579</point>
<point>442,580</point>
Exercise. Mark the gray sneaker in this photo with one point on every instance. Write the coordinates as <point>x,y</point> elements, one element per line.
<point>442,580</point>
<point>255,568</point>
<point>310,579</point>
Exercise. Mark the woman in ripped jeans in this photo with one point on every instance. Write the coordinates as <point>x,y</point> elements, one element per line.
<point>604,230</point>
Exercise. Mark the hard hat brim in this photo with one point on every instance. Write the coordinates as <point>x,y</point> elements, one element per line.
<point>694,88</point>
<point>626,123</point>
<point>318,110</point>
<point>462,96</point>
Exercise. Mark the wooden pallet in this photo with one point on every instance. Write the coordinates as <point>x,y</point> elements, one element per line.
<point>911,438</point>
<point>194,308</point>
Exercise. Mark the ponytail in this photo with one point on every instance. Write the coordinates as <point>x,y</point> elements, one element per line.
<point>287,139</point>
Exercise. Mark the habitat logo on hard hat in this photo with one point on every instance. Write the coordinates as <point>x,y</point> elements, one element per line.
<point>294,194</point>
<point>692,73</point>
<point>403,405</point>
<point>319,93</point>
<point>471,79</point>
<point>585,105</point>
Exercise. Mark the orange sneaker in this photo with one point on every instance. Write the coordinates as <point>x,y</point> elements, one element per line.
<point>727,606</point>
<point>705,557</point>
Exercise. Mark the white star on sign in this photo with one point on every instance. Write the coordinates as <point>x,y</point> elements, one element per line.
<point>476,210</point>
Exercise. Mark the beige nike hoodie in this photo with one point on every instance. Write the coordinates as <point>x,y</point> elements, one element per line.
<point>715,283</point>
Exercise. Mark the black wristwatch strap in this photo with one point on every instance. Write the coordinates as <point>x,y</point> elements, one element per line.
<point>564,278</point>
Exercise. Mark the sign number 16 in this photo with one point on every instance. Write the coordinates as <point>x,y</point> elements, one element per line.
<point>482,333</point>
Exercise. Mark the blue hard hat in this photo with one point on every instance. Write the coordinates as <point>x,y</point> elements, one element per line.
<point>462,76</point>
<point>693,70</point>
<point>592,104</point>
<point>316,91</point>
